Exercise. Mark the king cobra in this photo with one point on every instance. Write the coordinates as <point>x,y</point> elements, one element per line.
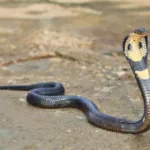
<point>51,94</point>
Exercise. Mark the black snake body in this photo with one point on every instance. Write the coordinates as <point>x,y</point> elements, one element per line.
<point>51,95</point>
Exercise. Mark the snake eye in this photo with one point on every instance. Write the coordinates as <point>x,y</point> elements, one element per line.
<point>129,47</point>
<point>140,45</point>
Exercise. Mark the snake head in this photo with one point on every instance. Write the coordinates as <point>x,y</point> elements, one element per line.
<point>135,48</point>
<point>139,32</point>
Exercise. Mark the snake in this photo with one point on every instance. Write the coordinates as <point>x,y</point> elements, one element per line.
<point>52,94</point>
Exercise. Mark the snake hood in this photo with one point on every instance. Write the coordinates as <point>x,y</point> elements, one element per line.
<point>135,48</point>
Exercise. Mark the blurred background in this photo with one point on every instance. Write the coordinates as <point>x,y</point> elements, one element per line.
<point>78,43</point>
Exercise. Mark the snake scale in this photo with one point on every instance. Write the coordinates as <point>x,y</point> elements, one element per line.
<point>51,94</point>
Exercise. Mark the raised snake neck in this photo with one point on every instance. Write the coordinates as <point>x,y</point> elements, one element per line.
<point>50,95</point>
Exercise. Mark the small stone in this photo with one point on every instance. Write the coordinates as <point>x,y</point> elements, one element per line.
<point>69,131</point>
<point>121,73</point>
<point>80,117</point>
<point>83,67</point>
<point>22,100</point>
<point>97,131</point>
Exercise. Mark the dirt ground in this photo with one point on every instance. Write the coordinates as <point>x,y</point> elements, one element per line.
<point>77,43</point>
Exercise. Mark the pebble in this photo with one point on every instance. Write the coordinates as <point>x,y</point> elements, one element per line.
<point>80,117</point>
<point>22,100</point>
<point>69,131</point>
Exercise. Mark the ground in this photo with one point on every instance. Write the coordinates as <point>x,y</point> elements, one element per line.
<point>77,43</point>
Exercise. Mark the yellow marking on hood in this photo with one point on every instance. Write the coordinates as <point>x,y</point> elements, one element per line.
<point>143,74</point>
<point>135,55</point>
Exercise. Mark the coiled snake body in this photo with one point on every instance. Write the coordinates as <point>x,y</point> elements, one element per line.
<point>50,95</point>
